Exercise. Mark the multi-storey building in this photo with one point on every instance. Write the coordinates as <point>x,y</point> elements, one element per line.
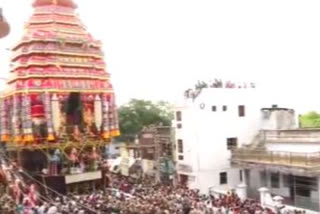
<point>286,160</point>
<point>155,149</point>
<point>209,124</point>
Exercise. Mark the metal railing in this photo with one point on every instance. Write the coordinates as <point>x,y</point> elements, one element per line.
<point>275,157</point>
<point>307,203</point>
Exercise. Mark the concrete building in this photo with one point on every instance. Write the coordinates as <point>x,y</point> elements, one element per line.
<point>113,149</point>
<point>286,160</point>
<point>208,125</point>
<point>154,148</point>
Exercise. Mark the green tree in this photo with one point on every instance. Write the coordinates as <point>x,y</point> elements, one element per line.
<point>136,114</point>
<point>310,120</point>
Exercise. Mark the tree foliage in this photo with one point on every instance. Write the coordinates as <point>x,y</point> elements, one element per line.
<point>136,114</point>
<point>310,120</point>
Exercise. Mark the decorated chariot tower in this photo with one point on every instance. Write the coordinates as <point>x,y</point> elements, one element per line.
<point>59,104</point>
<point>58,82</point>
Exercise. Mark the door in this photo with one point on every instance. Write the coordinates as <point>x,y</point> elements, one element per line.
<point>183,179</point>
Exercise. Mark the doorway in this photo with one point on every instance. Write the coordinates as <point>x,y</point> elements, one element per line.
<point>183,179</point>
<point>73,110</point>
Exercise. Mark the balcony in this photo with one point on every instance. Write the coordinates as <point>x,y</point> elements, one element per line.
<point>290,136</point>
<point>258,153</point>
<point>83,177</point>
<point>306,161</point>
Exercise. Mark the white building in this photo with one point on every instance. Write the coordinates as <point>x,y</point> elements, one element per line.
<point>207,128</point>
<point>113,149</point>
<point>286,160</point>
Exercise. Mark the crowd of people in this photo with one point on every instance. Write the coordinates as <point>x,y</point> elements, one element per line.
<point>119,195</point>
<point>129,196</point>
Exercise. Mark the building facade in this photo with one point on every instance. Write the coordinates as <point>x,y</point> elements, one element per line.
<point>286,160</point>
<point>208,126</point>
<point>113,150</point>
<point>154,149</point>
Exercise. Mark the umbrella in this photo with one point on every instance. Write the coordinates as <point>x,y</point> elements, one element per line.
<point>4,26</point>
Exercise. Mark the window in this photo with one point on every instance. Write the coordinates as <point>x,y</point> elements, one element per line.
<point>240,175</point>
<point>224,108</point>
<point>263,178</point>
<point>242,111</point>
<point>266,114</point>
<point>179,126</point>
<point>232,143</point>
<point>275,180</point>
<point>180,146</point>
<point>214,108</point>
<point>285,180</point>
<point>304,192</point>
<point>305,185</point>
<point>191,178</point>
<point>178,116</point>
<point>247,176</point>
<point>180,157</point>
<point>147,135</point>
<point>223,178</point>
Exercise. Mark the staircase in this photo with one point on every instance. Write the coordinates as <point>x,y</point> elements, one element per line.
<point>256,144</point>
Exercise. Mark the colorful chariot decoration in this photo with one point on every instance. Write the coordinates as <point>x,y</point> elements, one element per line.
<point>58,85</point>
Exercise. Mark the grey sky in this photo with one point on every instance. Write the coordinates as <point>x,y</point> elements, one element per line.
<point>155,49</point>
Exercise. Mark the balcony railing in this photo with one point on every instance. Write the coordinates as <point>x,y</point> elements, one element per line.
<point>305,160</point>
<point>81,177</point>
<point>289,136</point>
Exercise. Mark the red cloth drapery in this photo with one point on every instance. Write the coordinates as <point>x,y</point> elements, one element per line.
<point>37,106</point>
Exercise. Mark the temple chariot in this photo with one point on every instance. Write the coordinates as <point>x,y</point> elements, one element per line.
<point>58,111</point>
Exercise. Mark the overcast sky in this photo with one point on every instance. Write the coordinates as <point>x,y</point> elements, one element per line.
<point>155,49</point>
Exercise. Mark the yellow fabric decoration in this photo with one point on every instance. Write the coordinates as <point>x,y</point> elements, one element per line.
<point>5,138</point>
<point>106,135</point>
<point>28,138</point>
<point>51,137</point>
<point>18,138</point>
<point>115,133</point>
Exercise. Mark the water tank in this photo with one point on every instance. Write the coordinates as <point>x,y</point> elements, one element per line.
<point>278,119</point>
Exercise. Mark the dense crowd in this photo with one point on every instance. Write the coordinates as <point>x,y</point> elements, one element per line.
<point>120,195</point>
<point>125,196</point>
